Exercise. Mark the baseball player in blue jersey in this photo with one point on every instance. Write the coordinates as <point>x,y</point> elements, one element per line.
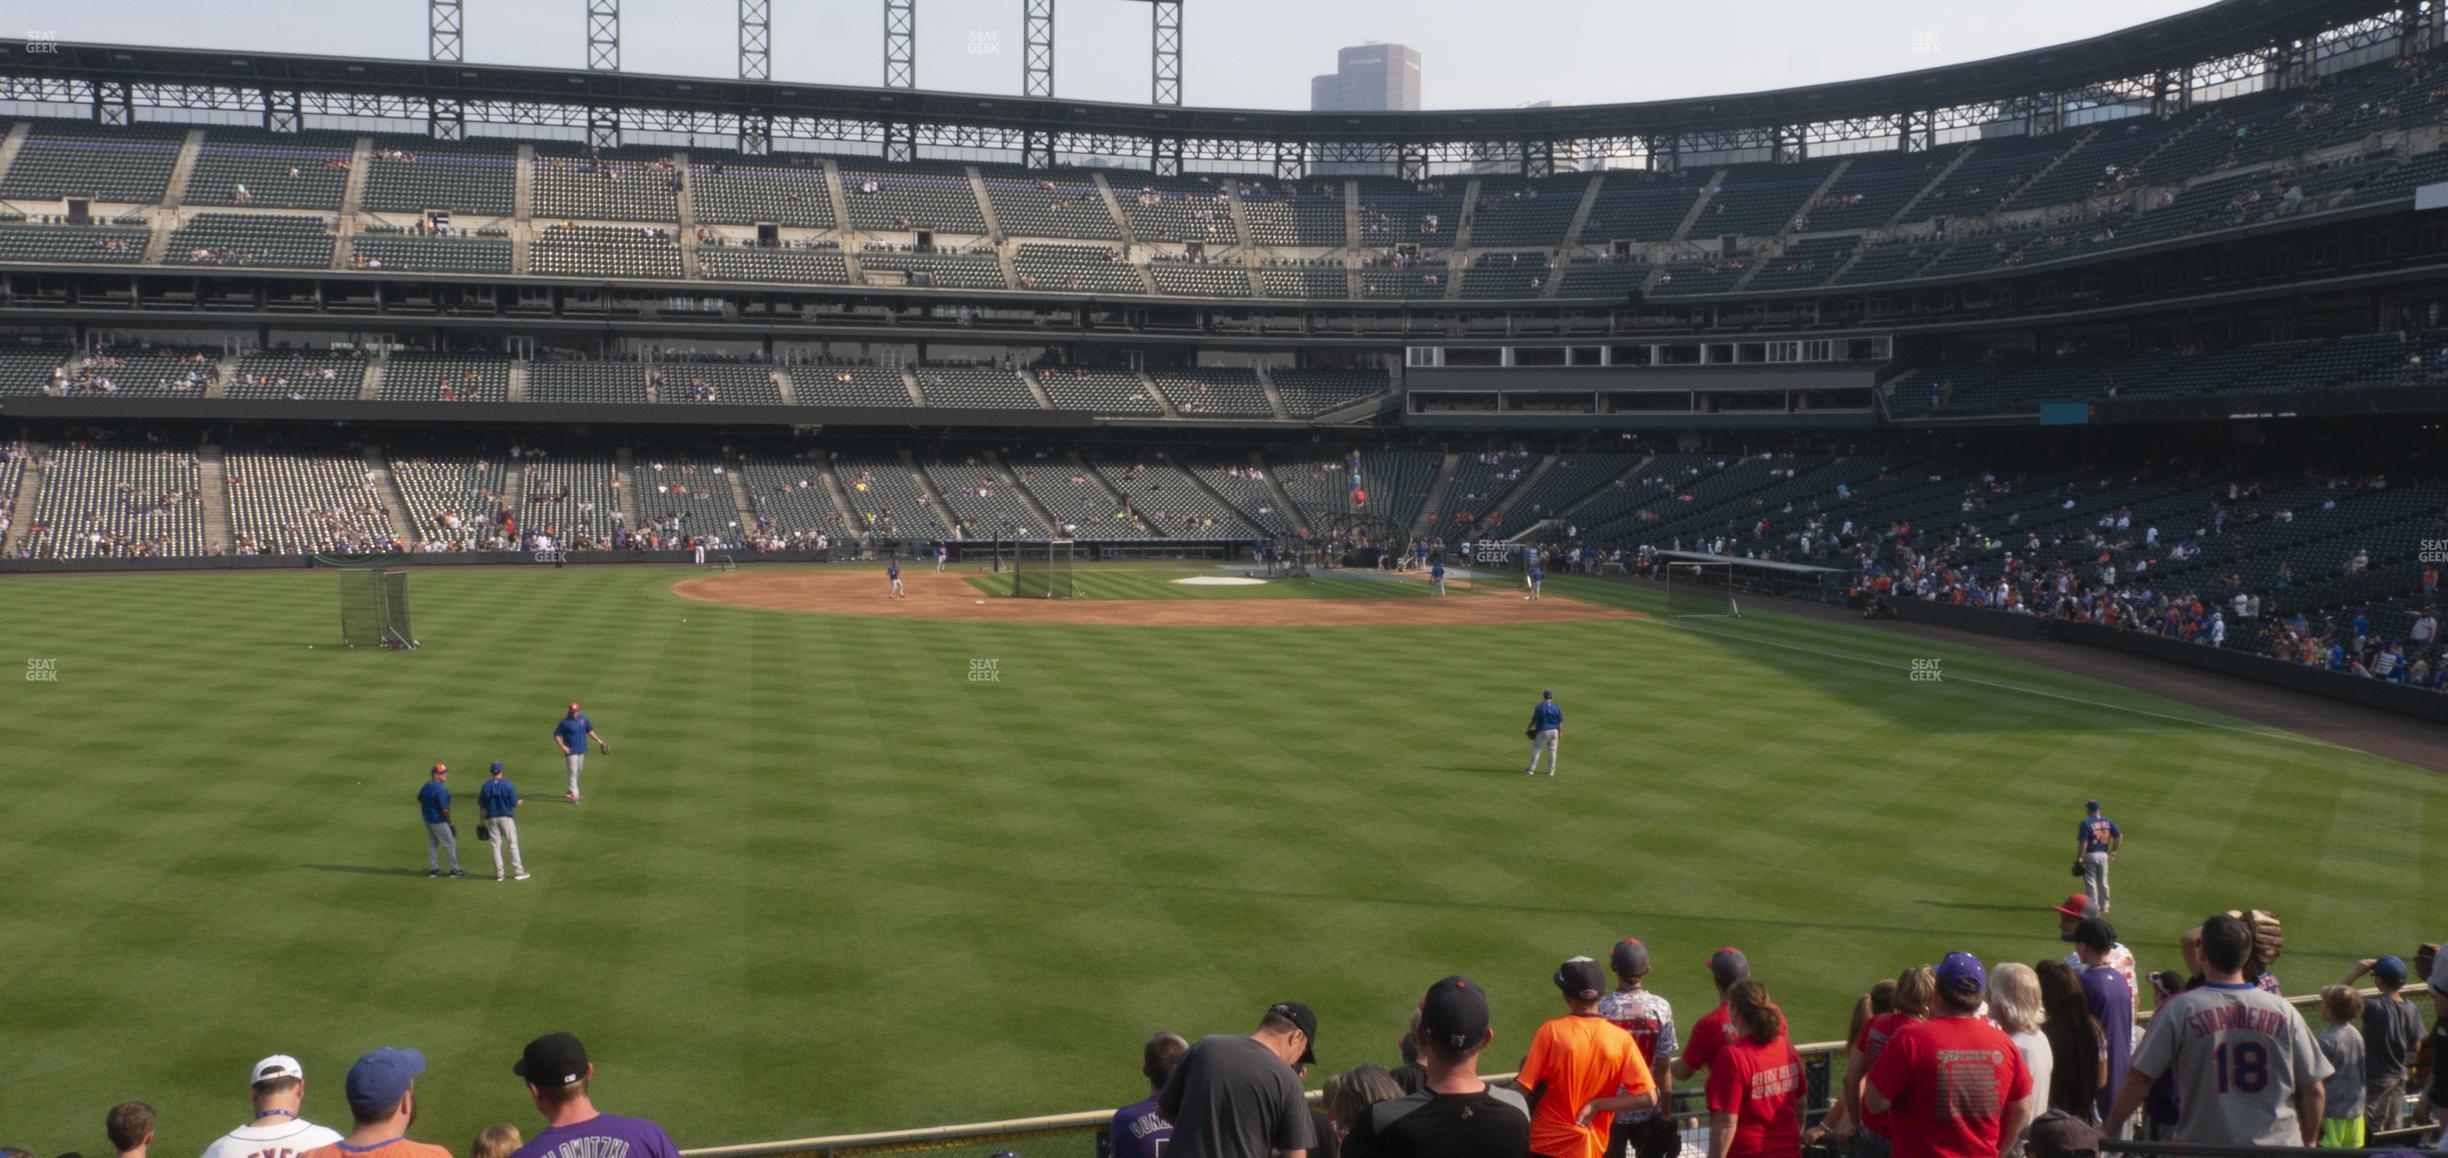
<point>2096,840</point>
<point>1537,576</point>
<point>1546,732</point>
<point>571,736</point>
<point>1436,574</point>
<point>499,800</point>
<point>433,800</point>
<point>942,555</point>
<point>892,571</point>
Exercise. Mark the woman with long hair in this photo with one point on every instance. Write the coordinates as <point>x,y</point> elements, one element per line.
<point>2014,1004</point>
<point>1755,1085</point>
<point>1880,999</point>
<point>2077,1052</point>
<point>1916,989</point>
<point>1349,1094</point>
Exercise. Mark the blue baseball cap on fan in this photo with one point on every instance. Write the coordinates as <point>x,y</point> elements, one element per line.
<point>1962,973</point>
<point>380,1079</point>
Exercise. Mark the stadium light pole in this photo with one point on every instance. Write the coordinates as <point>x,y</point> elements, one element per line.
<point>756,39</point>
<point>1037,61</point>
<point>900,43</point>
<point>445,117</point>
<point>603,55</point>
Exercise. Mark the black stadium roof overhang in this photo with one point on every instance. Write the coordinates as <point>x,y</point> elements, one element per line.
<point>2225,29</point>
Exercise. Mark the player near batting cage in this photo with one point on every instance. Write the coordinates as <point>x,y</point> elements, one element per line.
<point>572,735</point>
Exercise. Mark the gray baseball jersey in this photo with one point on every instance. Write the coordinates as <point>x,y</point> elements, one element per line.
<point>2240,1055</point>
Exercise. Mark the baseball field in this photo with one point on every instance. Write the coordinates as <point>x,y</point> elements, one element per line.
<point>871,865</point>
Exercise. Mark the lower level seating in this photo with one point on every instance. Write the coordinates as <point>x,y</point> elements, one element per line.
<point>748,263</point>
<point>298,502</point>
<point>604,251</point>
<point>1329,282</point>
<point>430,253</point>
<point>95,244</point>
<point>112,501</point>
<point>453,501</point>
<point>251,239</point>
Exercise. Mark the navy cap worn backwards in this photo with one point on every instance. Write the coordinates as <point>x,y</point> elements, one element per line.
<point>380,1079</point>
<point>1580,980</point>
<point>1631,958</point>
<point>1454,1015</point>
<point>552,1061</point>
<point>1729,967</point>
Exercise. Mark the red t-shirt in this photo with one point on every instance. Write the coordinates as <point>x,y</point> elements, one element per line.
<point>1873,1040</point>
<point>1707,1036</point>
<point>1762,1086</point>
<point>1952,1080</point>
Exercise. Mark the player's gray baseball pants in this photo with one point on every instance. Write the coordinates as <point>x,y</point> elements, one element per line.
<point>1550,741</point>
<point>577,760</point>
<point>505,833</point>
<point>2095,878</point>
<point>438,840</point>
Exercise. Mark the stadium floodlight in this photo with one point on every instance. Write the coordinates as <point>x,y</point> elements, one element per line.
<point>1037,57</point>
<point>756,39</point>
<point>1700,591</point>
<point>900,43</point>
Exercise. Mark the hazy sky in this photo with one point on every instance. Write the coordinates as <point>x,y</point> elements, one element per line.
<point>1245,53</point>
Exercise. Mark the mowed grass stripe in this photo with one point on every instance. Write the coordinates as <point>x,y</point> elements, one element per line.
<point>816,828</point>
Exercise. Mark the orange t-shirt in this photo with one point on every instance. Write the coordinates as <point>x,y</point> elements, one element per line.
<point>1579,1060</point>
<point>395,1148</point>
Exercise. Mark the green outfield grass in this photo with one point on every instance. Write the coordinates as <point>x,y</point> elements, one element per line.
<point>829,883</point>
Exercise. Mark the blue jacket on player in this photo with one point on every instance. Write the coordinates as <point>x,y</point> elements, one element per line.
<point>498,798</point>
<point>1547,717</point>
<point>434,800</point>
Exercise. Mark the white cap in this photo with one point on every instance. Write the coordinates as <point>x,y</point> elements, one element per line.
<point>279,1065</point>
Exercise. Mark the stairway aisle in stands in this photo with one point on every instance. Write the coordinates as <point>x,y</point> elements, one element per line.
<point>1010,479</point>
<point>1274,397</point>
<point>21,513</point>
<point>369,388</point>
<point>831,480</point>
<point>741,502</point>
<point>14,140</point>
<point>1114,499</point>
<point>926,486</point>
<point>1436,492</point>
<point>1283,498</point>
<point>624,477</point>
<point>175,193</point>
<point>212,479</point>
<point>388,493</point>
<point>1502,508</point>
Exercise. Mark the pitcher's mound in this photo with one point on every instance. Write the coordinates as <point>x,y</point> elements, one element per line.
<point>932,596</point>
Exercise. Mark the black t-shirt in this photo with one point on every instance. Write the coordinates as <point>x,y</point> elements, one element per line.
<point>1492,1123</point>
<point>2439,1063</point>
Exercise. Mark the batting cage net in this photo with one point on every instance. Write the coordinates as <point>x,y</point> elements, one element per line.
<point>1042,570</point>
<point>1700,591</point>
<point>374,609</point>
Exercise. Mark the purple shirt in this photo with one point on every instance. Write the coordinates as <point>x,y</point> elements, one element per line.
<point>1137,1131</point>
<point>602,1136</point>
<point>2105,993</point>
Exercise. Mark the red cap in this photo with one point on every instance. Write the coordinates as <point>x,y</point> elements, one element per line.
<point>2077,906</point>
<point>441,767</point>
<point>573,705</point>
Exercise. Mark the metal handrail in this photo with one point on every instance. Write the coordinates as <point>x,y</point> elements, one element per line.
<point>1821,1059</point>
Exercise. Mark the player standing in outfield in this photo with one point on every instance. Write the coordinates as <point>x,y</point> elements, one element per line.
<point>433,800</point>
<point>1546,734</point>
<point>2096,840</point>
<point>942,554</point>
<point>1536,577</point>
<point>1436,574</point>
<point>892,571</point>
<point>499,800</point>
<point>1580,1071</point>
<point>1650,1021</point>
<point>572,735</point>
<point>2247,1070</point>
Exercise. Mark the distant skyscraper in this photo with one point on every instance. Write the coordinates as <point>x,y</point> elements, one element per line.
<point>1369,78</point>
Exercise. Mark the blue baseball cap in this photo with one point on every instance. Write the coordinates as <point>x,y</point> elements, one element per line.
<point>497,765</point>
<point>2391,970</point>
<point>381,1078</point>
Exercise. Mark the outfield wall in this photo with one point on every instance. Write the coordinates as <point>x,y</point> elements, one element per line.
<point>2262,669</point>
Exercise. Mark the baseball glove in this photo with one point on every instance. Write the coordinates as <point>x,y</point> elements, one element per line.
<point>484,831</point>
<point>2078,866</point>
<point>1530,733</point>
<point>2269,939</point>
